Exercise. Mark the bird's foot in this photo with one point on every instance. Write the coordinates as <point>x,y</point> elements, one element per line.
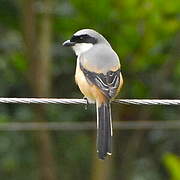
<point>87,103</point>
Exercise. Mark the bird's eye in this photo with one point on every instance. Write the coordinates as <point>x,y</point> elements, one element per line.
<point>81,37</point>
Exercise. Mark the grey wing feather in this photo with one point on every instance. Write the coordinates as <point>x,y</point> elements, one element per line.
<point>108,83</point>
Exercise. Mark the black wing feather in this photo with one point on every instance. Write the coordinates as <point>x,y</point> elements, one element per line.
<point>108,83</point>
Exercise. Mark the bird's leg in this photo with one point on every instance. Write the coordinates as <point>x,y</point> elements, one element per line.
<point>87,102</point>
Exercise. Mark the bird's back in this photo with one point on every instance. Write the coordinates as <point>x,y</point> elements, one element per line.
<point>101,58</point>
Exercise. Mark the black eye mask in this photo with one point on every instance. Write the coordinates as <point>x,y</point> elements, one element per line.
<point>85,38</point>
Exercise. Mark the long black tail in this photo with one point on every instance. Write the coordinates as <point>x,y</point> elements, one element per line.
<point>104,130</point>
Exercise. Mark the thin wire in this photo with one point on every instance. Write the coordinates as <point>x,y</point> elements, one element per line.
<point>83,101</point>
<point>76,126</point>
<point>19,126</point>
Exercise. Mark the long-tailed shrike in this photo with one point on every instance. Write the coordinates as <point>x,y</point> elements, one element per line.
<point>98,75</point>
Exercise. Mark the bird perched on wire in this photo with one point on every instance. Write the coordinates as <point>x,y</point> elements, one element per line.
<point>98,75</point>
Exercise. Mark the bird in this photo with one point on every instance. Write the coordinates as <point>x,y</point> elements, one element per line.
<point>99,78</point>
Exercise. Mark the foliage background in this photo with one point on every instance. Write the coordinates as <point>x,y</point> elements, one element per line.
<point>145,34</point>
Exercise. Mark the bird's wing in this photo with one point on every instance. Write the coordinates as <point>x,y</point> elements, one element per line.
<point>108,83</point>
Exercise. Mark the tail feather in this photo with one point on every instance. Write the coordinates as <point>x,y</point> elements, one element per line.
<point>104,130</point>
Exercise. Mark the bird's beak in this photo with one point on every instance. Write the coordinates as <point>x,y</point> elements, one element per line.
<point>68,43</point>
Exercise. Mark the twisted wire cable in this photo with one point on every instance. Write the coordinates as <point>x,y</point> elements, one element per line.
<point>83,101</point>
<point>19,126</point>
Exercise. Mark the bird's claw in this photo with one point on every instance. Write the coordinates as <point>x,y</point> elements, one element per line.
<point>87,103</point>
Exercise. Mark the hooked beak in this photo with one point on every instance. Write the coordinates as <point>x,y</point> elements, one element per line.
<point>68,43</point>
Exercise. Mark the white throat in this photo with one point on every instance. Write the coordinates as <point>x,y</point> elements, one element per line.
<point>80,48</point>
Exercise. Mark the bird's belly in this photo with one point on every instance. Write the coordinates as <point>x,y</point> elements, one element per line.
<point>90,91</point>
<point>84,86</point>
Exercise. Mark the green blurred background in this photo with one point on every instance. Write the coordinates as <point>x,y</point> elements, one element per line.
<point>146,36</point>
